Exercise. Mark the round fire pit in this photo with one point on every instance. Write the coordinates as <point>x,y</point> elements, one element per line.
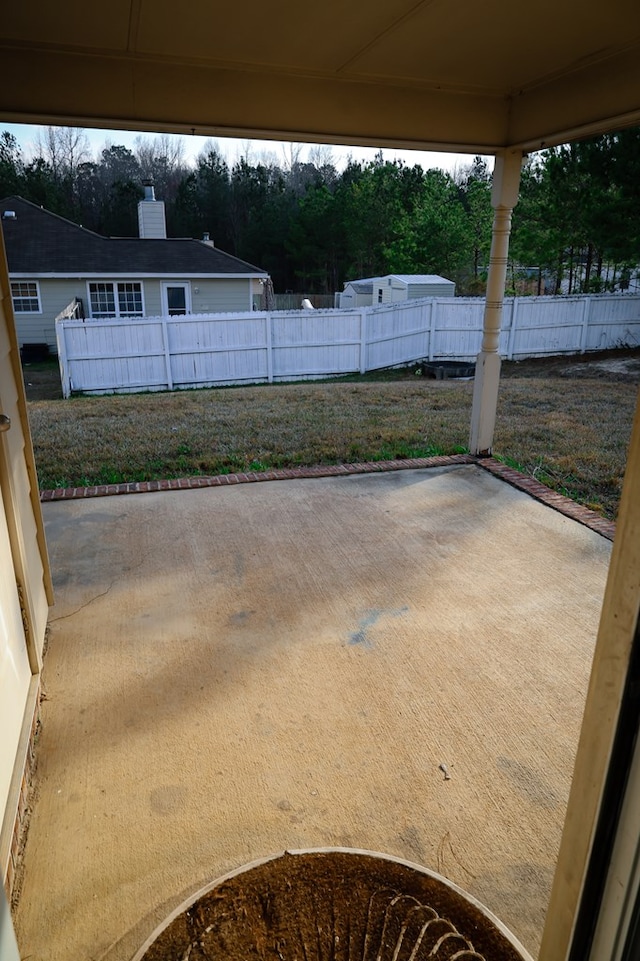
<point>334,904</point>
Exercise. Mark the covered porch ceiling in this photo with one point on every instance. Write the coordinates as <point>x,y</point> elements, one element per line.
<point>432,74</point>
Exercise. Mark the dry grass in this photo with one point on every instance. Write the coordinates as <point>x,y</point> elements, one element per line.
<point>134,437</point>
<point>570,435</point>
<point>571,432</point>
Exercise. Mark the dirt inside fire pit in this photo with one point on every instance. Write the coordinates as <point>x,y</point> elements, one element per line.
<point>341,906</point>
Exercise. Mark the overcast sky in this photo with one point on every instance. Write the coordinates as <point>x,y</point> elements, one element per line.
<point>232,150</point>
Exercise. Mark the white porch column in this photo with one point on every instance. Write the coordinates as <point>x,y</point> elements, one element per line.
<point>504,197</point>
<point>597,762</point>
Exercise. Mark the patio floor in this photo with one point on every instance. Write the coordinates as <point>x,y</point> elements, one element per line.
<point>240,670</point>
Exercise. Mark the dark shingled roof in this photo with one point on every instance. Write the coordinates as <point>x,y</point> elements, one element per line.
<point>39,242</point>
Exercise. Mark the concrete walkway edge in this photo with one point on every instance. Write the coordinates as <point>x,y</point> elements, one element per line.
<point>577,512</point>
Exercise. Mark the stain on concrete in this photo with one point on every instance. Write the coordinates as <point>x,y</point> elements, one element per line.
<point>361,636</point>
<point>515,884</point>
<point>239,568</point>
<point>240,618</point>
<point>529,782</point>
<point>369,620</point>
<point>167,799</point>
<point>264,725</point>
<point>58,524</point>
<point>411,843</point>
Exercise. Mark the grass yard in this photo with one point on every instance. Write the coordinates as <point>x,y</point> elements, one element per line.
<point>566,421</point>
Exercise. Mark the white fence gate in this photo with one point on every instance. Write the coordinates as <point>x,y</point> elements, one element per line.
<point>206,350</point>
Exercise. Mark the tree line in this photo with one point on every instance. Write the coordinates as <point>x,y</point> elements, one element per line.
<point>576,227</point>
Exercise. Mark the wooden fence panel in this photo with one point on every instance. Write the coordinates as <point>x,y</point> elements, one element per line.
<point>205,350</point>
<point>458,328</point>
<point>101,355</point>
<point>309,344</point>
<point>547,325</point>
<point>615,323</point>
<point>397,334</point>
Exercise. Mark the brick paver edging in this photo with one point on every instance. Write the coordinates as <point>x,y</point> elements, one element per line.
<point>513,477</point>
<point>577,512</point>
<point>226,480</point>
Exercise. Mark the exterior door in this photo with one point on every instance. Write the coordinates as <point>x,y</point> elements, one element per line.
<point>176,299</point>
<point>15,671</point>
<point>23,559</point>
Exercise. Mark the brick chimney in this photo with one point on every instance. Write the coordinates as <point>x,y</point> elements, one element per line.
<point>151,219</point>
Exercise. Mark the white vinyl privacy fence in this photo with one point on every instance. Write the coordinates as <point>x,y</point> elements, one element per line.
<point>204,350</point>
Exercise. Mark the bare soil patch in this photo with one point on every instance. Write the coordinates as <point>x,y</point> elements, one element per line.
<point>621,365</point>
<point>42,380</point>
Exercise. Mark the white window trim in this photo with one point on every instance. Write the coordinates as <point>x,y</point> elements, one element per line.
<point>13,281</point>
<point>165,300</point>
<point>114,284</point>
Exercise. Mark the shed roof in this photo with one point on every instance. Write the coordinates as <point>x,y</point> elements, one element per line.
<point>360,287</point>
<point>41,242</point>
<point>421,279</point>
<point>362,280</point>
<point>364,285</point>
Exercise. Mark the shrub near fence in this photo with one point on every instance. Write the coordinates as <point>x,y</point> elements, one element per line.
<point>205,350</point>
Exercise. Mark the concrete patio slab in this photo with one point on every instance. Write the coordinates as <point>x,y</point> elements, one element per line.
<point>241,670</point>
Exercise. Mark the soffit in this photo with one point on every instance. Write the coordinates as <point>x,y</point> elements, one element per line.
<point>464,76</point>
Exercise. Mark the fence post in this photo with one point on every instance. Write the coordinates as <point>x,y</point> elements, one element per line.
<point>167,354</point>
<point>586,312</point>
<point>62,359</point>
<point>268,336</point>
<point>363,341</point>
<point>512,329</point>
<point>433,317</point>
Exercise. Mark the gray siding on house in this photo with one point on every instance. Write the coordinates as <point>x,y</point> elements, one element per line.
<point>208,296</point>
<point>214,296</point>
<point>152,296</point>
<point>55,295</point>
<point>221,296</point>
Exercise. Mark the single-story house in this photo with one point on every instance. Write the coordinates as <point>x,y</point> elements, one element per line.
<point>54,263</point>
<point>392,288</point>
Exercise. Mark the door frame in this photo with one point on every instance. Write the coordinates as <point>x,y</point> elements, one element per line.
<point>165,299</point>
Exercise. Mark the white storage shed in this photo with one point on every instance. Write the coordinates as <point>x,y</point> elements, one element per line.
<point>357,293</point>
<point>393,288</point>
